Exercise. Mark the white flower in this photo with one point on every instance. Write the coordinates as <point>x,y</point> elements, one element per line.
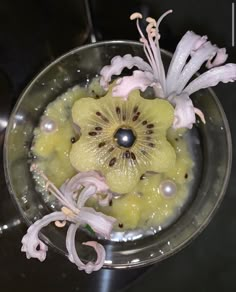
<point>191,53</point>
<point>72,196</point>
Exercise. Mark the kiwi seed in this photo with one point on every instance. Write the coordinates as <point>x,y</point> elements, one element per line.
<point>133,155</point>
<point>101,144</point>
<point>112,162</point>
<point>149,126</point>
<point>98,128</point>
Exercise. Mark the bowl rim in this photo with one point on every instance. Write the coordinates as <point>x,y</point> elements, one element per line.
<point>107,264</point>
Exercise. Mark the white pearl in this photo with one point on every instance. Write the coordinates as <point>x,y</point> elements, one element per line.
<point>168,188</point>
<point>47,125</point>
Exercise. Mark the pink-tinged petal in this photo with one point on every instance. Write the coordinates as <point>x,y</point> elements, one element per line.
<point>187,44</point>
<point>199,43</point>
<point>31,244</point>
<point>184,112</point>
<point>139,80</point>
<point>100,251</point>
<point>72,187</point>
<point>73,256</point>
<point>100,223</point>
<point>205,52</point>
<point>85,194</point>
<point>85,179</point>
<point>118,63</point>
<point>91,191</point>
<point>212,77</point>
<point>220,59</point>
<point>106,200</point>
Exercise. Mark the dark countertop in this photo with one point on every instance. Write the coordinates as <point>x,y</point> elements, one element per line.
<point>32,33</point>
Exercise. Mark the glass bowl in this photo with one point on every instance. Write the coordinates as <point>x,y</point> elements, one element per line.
<point>213,146</point>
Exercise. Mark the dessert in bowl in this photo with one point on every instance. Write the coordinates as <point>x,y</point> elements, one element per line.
<point>127,162</point>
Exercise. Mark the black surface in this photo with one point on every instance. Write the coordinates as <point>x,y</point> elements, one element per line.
<point>32,33</point>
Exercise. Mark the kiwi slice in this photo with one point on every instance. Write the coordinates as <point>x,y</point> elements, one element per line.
<point>122,139</point>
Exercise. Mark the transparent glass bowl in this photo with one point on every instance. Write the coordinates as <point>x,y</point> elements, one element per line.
<point>76,67</point>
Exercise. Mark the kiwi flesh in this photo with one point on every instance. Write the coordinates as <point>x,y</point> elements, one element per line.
<point>122,159</point>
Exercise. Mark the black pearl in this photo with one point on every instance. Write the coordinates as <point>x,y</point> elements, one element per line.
<point>125,137</point>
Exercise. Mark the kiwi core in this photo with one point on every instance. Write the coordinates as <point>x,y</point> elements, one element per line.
<point>125,137</point>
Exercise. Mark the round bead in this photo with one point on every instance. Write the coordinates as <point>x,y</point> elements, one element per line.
<point>168,188</point>
<point>125,137</point>
<point>47,125</point>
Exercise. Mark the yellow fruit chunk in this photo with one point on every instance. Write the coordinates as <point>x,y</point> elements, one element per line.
<point>127,211</point>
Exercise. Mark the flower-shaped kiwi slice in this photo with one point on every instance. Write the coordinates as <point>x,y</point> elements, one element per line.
<point>122,139</point>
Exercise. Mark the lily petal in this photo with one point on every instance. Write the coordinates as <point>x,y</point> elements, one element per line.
<point>187,44</point>
<point>220,58</point>
<point>199,43</point>
<point>31,244</point>
<point>100,223</point>
<point>205,52</point>
<point>118,63</point>
<point>105,202</point>
<point>85,194</point>
<point>212,77</point>
<point>73,256</point>
<point>101,254</point>
<point>184,112</point>
<point>83,179</point>
<point>139,80</point>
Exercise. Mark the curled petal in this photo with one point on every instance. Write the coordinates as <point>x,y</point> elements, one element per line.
<point>100,223</point>
<point>118,63</point>
<point>184,112</point>
<point>187,44</point>
<point>73,256</point>
<point>90,191</point>
<point>83,179</point>
<point>85,194</point>
<point>199,43</point>
<point>31,244</point>
<point>204,53</point>
<point>212,77</point>
<point>101,254</point>
<point>220,58</point>
<point>139,80</point>
<point>105,202</point>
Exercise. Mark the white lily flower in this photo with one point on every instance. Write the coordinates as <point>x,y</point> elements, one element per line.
<point>175,85</point>
<point>74,212</point>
